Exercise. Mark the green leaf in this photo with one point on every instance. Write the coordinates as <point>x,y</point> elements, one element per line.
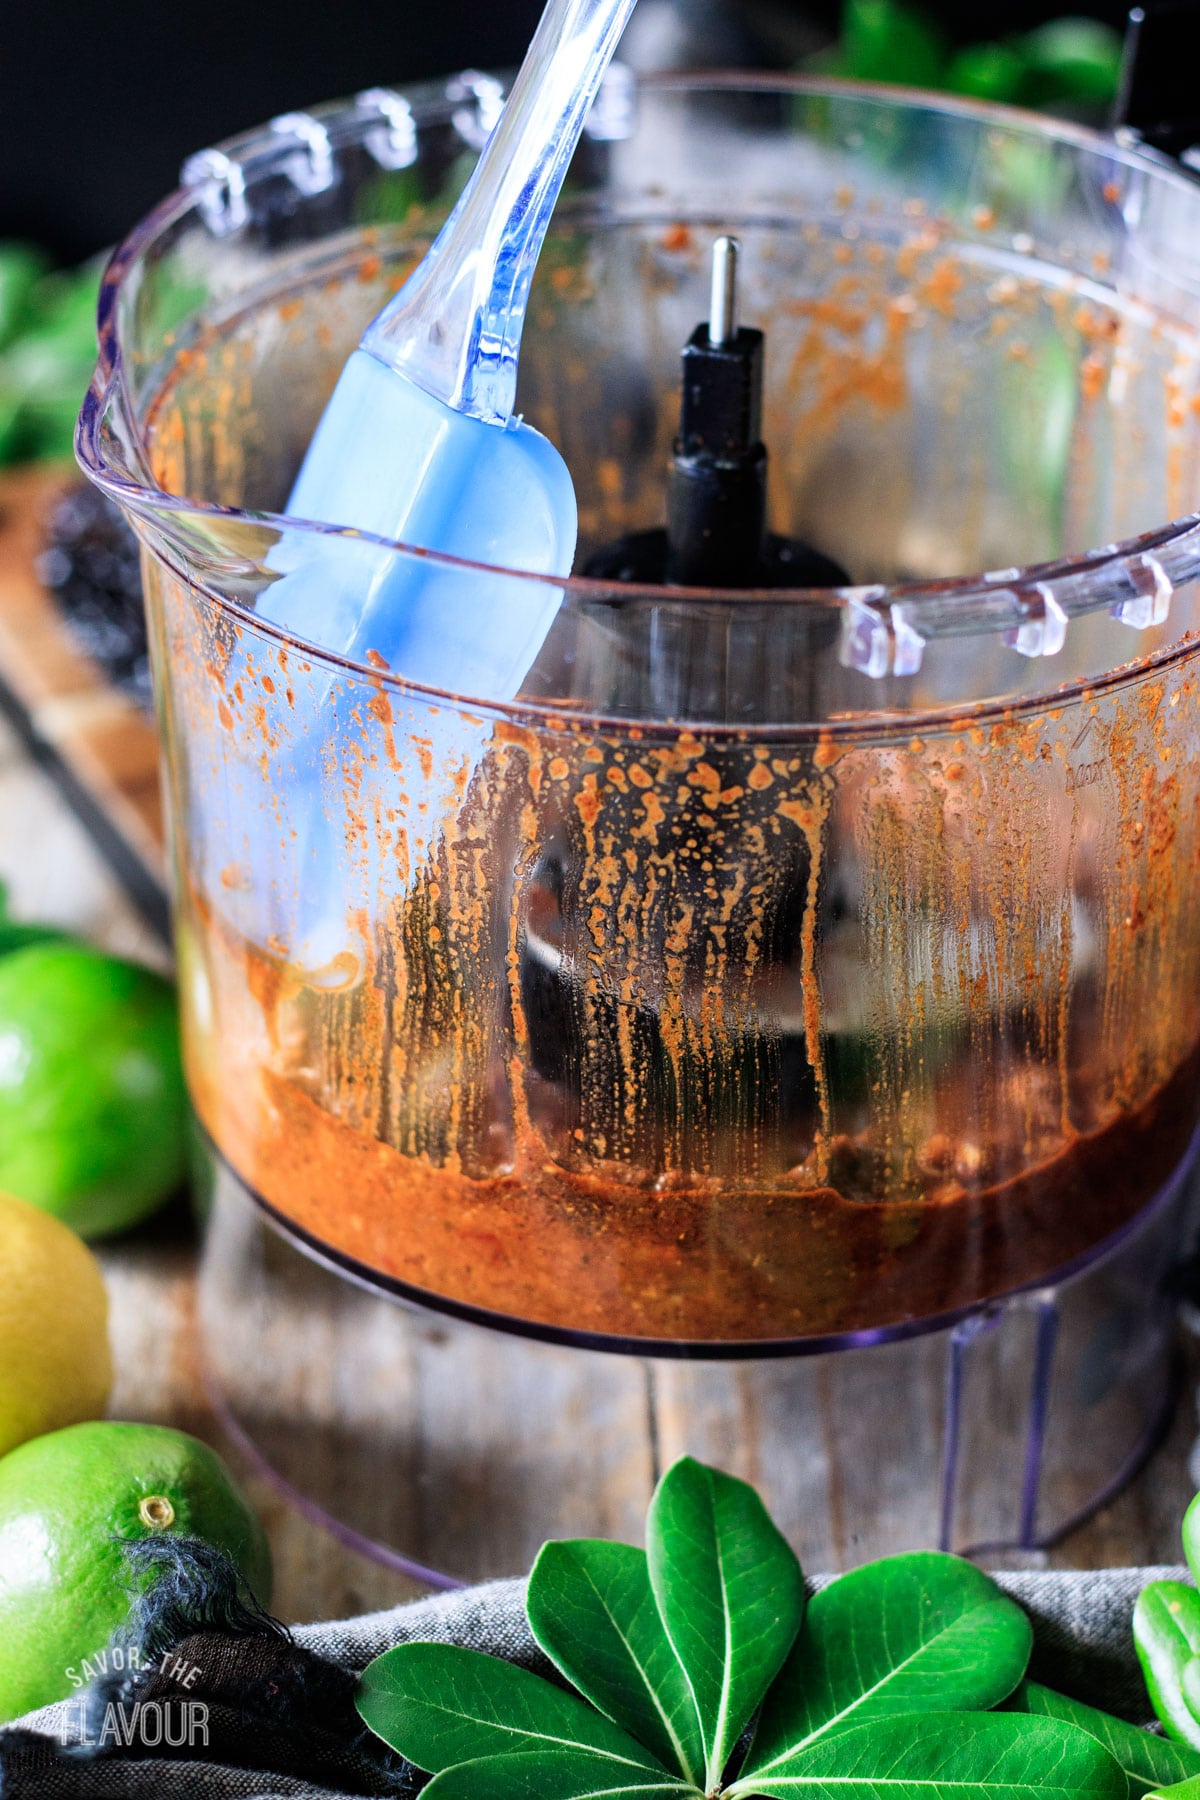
<point>1189,1686</point>
<point>1190,1534</point>
<point>438,1705</point>
<point>1071,60</point>
<point>988,71</point>
<point>1148,1760</point>
<point>592,1610</point>
<point>730,1593</point>
<point>919,1633</point>
<point>1183,1790</point>
<point>552,1776</point>
<point>1166,1634</point>
<point>983,1756</point>
<point>21,267</point>
<point>63,307</point>
<point>883,40</point>
<point>388,198</point>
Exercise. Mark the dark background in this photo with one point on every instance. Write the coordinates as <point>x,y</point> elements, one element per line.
<point>100,100</point>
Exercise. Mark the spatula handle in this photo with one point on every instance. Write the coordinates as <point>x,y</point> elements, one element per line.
<point>455,326</point>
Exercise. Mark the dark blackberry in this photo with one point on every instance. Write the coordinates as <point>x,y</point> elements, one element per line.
<point>91,566</point>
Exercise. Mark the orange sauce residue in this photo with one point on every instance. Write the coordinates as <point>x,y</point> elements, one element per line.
<point>620,1096</point>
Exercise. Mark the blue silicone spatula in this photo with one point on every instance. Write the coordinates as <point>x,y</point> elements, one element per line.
<point>419,442</point>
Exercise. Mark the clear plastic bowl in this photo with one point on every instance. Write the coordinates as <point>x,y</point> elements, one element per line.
<point>779,969</point>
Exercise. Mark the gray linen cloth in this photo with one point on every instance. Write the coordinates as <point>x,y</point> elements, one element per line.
<point>1083,1645</point>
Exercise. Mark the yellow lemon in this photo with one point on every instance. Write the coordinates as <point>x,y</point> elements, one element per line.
<point>55,1363</point>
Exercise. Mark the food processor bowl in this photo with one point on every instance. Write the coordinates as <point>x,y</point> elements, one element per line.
<point>790,993</point>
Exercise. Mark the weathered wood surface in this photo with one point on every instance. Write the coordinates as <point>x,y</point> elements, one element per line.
<point>104,740</point>
<point>467,1448</point>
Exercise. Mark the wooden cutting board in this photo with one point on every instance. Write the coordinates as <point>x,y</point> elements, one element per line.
<point>98,746</point>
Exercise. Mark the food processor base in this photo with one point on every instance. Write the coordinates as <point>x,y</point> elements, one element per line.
<point>451,1450</point>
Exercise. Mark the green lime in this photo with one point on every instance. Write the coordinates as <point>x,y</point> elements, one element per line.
<point>16,933</point>
<point>93,1111</point>
<point>55,1366</point>
<point>66,1503</point>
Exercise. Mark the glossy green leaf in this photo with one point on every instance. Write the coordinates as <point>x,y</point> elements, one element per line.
<point>1190,1533</point>
<point>987,71</point>
<point>941,1756</point>
<point>550,1776</point>
<point>592,1610</point>
<point>1166,1634</point>
<point>730,1593</point>
<point>1072,59</point>
<point>885,40</point>
<point>388,198</point>
<point>1189,1686</point>
<point>11,402</point>
<point>1149,1761</point>
<point>1183,1790</point>
<point>21,267</point>
<point>438,1705</point>
<point>924,1632</point>
<point>64,306</point>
